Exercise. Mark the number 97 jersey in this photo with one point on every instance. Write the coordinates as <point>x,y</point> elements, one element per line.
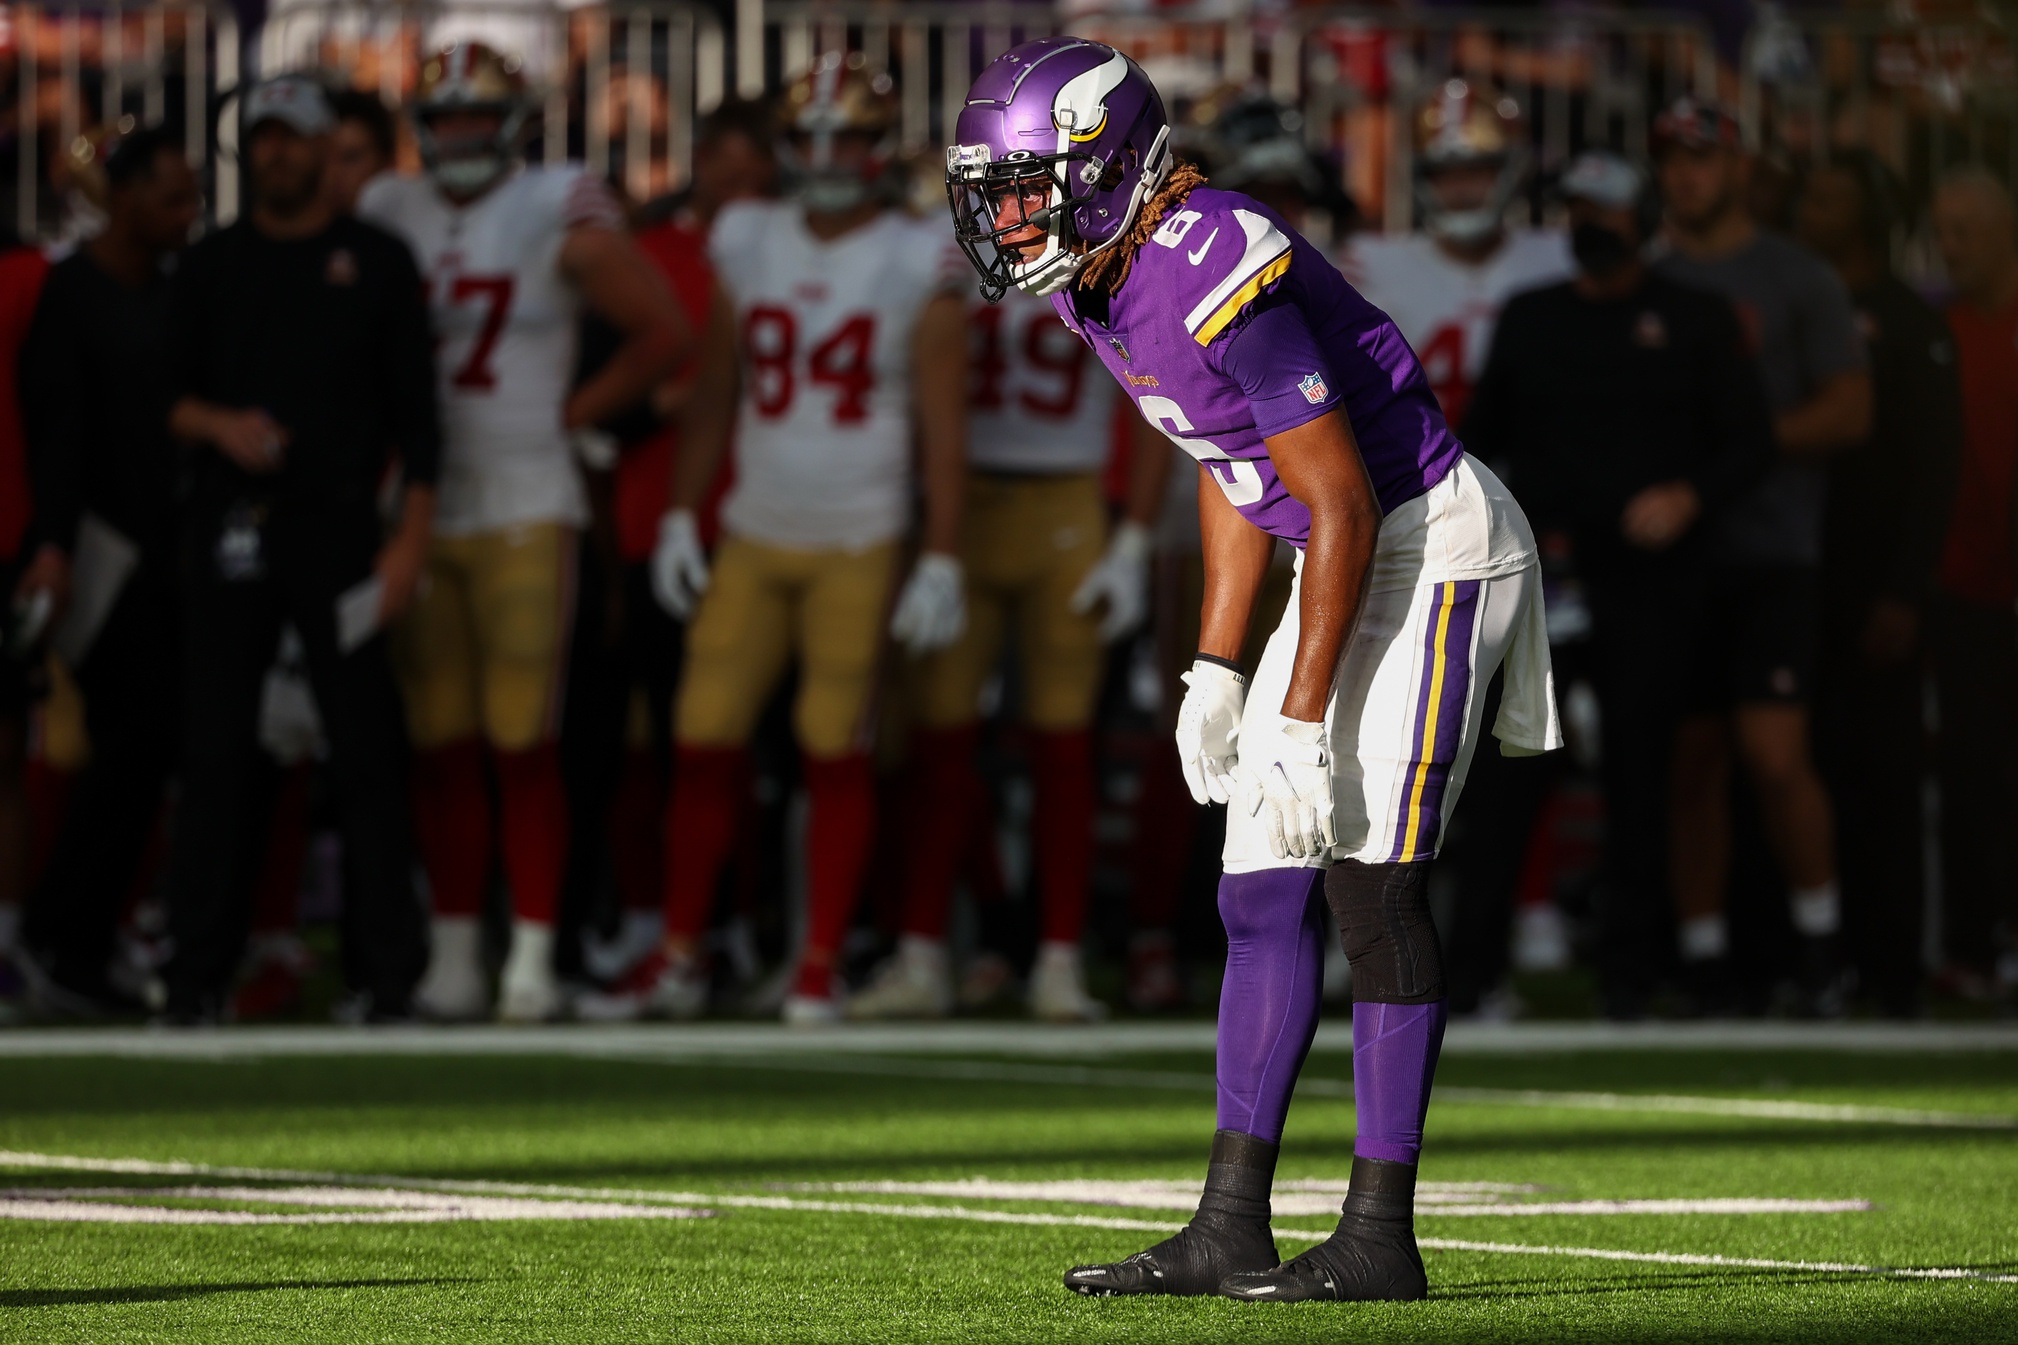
<point>824,329</point>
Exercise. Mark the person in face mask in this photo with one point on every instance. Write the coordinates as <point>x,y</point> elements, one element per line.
<point>1629,414</point>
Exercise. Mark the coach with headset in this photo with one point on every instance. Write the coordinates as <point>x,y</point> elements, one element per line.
<point>1629,413</point>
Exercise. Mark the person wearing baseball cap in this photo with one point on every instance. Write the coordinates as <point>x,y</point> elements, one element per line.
<point>299,358</point>
<point>1754,678</point>
<point>1631,417</point>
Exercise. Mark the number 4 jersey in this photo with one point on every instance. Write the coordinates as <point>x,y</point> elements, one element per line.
<point>823,436</point>
<point>505,321</point>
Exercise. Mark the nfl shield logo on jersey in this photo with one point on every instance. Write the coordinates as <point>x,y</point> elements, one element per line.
<point>1313,389</point>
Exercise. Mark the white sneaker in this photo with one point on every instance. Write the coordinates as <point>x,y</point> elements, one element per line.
<point>453,990</point>
<point>1541,938</point>
<point>528,991</point>
<point>658,987</point>
<point>637,938</point>
<point>810,1010</point>
<point>916,983</point>
<point>1058,987</point>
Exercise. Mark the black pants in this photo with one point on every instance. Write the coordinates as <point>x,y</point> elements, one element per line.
<point>1976,673</point>
<point>1645,622</point>
<point>1503,798</point>
<point>1870,741</point>
<point>231,630</point>
<point>127,679</point>
<point>624,644</point>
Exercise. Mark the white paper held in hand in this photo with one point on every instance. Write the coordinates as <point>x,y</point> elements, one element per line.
<point>358,612</point>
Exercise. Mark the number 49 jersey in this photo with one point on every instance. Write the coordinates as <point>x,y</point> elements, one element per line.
<point>823,436</point>
<point>1040,403</point>
<point>505,322</point>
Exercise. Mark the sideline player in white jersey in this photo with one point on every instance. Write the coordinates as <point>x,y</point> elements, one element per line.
<point>511,253</point>
<point>838,338</point>
<point>1444,287</point>
<point>1040,563</point>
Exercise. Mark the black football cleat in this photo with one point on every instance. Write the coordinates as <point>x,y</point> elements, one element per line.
<point>1370,1258</point>
<point>1228,1235</point>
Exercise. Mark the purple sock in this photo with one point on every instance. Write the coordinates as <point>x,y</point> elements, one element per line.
<point>1394,1050</point>
<point>1268,1003</point>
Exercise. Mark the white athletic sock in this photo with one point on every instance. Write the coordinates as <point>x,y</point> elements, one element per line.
<point>10,927</point>
<point>1818,910</point>
<point>1705,938</point>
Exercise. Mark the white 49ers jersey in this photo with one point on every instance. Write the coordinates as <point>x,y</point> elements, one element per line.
<point>504,322</point>
<point>823,436</point>
<point>1040,402</point>
<point>1447,308</point>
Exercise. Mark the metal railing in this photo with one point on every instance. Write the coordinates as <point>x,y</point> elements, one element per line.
<point>81,73</point>
<point>621,85</point>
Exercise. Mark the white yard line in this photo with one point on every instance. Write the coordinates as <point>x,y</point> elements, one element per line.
<point>325,1204</point>
<point>700,1040</point>
<point>1095,1076</point>
<point>77,1210</point>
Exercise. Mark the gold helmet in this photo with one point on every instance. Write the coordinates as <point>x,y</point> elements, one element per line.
<point>1466,125</point>
<point>840,96</point>
<point>471,77</point>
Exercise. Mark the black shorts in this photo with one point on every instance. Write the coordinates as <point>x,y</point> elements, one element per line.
<point>1756,638</point>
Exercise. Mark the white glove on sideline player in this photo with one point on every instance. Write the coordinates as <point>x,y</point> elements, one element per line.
<point>932,610</point>
<point>1296,790</point>
<point>1121,580</point>
<point>679,566</point>
<point>1208,730</point>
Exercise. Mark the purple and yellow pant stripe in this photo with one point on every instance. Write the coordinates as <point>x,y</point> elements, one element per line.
<point>1443,697</point>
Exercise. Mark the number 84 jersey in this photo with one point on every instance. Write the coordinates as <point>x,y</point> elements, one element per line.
<point>824,327</point>
<point>505,321</point>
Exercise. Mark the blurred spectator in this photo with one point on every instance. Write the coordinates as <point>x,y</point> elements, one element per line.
<point>513,255</point>
<point>1632,418</point>
<point>1889,502</point>
<point>32,594</point>
<point>300,355</point>
<point>364,144</point>
<point>1755,667</point>
<point>735,159</point>
<point>618,734</point>
<point>105,486</point>
<point>1444,286</point>
<point>1975,634</point>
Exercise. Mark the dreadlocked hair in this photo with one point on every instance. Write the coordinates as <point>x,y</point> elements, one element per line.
<point>1109,269</point>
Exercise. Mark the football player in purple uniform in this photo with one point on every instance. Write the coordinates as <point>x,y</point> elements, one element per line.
<point>1340,755</point>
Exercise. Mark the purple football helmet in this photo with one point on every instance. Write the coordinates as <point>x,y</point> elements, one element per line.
<point>1060,143</point>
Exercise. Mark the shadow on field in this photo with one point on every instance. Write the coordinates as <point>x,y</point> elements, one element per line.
<point>168,1293</point>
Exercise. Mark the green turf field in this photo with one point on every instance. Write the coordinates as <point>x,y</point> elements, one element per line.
<point>1908,1161</point>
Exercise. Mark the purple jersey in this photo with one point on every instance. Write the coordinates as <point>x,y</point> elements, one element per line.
<point>1232,327</point>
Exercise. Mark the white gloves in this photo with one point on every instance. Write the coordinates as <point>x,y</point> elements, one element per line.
<point>1121,579</point>
<point>679,566</point>
<point>932,610</point>
<point>1296,790</point>
<point>1208,730</point>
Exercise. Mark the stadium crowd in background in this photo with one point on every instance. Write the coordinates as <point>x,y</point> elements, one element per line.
<point>622,609</point>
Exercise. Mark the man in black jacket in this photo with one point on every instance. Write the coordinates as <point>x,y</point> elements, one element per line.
<point>300,358</point>
<point>96,409</point>
<point>1629,413</point>
<point>1888,507</point>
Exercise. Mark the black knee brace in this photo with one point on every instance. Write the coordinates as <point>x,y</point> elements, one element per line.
<point>1384,925</point>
